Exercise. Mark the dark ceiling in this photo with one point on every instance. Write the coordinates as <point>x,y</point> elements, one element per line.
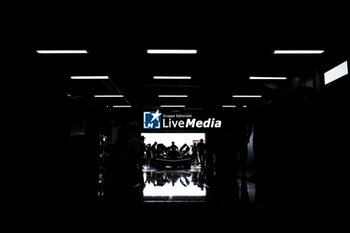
<point>226,57</point>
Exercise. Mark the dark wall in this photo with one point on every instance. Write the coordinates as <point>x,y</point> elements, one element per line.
<point>43,141</point>
<point>331,139</point>
<point>300,148</point>
<point>58,168</point>
<point>283,153</point>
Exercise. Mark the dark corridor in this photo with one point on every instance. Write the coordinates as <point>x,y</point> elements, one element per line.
<point>276,129</point>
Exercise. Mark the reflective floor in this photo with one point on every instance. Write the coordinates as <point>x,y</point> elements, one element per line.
<point>174,184</point>
<point>177,198</point>
<point>180,185</point>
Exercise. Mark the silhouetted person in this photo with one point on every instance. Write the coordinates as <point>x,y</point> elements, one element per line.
<point>161,149</point>
<point>173,146</point>
<point>172,151</point>
<point>201,152</point>
<point>154,149</point>
<point>148,155</point>
<point>195,160</point>
<point>240,138</point>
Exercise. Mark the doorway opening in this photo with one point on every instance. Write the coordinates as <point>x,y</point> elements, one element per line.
<point>171,170</point>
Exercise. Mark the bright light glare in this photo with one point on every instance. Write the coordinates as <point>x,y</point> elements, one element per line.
<point>108,96</point>
<point>267,78</point>
<point>246,96</point>
<point>172,77</point>
<point>171,51</point>
<point>172,106</point>
<point>335,73</point>
<point>89,77</point>
<point>62,51</point>
<point>172,96</point>
<point>298,51</point>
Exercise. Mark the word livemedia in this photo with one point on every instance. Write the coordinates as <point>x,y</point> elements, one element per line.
<point>191,123</point>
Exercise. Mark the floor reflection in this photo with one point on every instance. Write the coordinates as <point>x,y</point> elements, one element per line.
<point>169,184</point>
<point>186,185</point>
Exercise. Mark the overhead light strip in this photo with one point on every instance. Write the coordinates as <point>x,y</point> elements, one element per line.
<point>298,51</point>
<point>89,77</point>
<point>122,106</point>
<point>171,51</point>
<point>267,78</point>
<point>229,106</point>
<point>172,96</point>
<point>171,77</point>
<point>172,106</point>
<point>246,96</point>
<point>62,51</point>
<point>108,96</point>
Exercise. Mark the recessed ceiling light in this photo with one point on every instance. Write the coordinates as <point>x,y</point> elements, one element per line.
<point>171,77</point>
<point>229,106</point>
<point>244,106</point>
<point>172,106</point>
<point>89,77</point>
<point>62,51</point>
<point>336,72</point>
<point>246,96</point>
<point>172,96</point>
<point>267,78</point>
<point>108,96</point>
<point>298,51</point>
<point>122,106</point>
<point>171,51</point>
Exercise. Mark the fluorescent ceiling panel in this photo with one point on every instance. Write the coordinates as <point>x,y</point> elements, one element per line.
<point>246,96</point>
<point>298,51</point>
<point>108,96</point>
<point>267,78</point>
<point>121,106</point>
<point>172,96</point>
<point>62,51</point>
<point>89,77</point>
<point>171,51</point>
<point>229,106</point>
<point>336,73</point>
<point>171,77</point>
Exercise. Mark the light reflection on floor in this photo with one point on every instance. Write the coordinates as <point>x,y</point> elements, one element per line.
<point>185,185</point>
<point>170,184</point>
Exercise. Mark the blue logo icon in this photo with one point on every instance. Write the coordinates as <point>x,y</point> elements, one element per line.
<point>151,120</point>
